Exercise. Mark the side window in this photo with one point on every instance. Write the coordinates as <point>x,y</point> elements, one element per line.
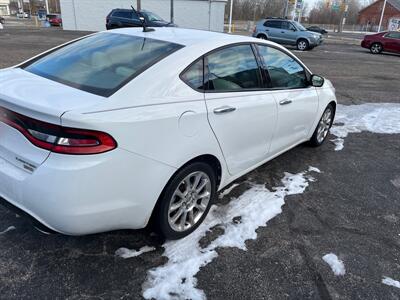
<point>194,75</point>
<point>127,14</point>
<point>232,69</point>
<point>118,14</point>
<point>393,35</point>
<point>288,26</point>
<point>284,71</point>
<point>273,24</point>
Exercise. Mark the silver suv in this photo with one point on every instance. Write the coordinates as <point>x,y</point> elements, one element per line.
<point>287,32</point>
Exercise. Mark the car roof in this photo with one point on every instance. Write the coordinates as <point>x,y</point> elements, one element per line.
<point>185,37</point>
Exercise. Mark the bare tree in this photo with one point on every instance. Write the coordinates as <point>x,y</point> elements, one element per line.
<point>321,13</point>
<point>256,9</point>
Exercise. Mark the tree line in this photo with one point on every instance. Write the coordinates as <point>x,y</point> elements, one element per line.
<point>320,13</point>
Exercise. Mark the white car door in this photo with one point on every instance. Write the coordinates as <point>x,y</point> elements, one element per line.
<point>242,115</point>
<point>297,101</point>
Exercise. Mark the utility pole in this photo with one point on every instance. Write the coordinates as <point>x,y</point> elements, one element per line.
<point>343,12</point>
<point>383,12</point>
<point>172,11</point>
<point>138,5</point>
<point>230,18</point>
<point>294,11</point>
<point>286,9</point>
<point>47,7</point>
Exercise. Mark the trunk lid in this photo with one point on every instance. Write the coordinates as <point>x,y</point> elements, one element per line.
<point>38,98</point>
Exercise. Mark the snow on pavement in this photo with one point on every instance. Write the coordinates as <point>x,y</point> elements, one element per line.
<point>127,253</point>
<point>8,229</point>
<point>391,282</point>
<point>255,207</point>
<point>373,117</point>
<point>228,190</point>
<point>336,265</point>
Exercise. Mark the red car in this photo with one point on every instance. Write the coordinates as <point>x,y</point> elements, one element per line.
<point>54,19</point>
<point>388,41</point>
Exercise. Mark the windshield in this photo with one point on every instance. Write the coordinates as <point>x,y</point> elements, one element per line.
<point>300,27</point>
<point>151,16</point>
<point>101,64</point>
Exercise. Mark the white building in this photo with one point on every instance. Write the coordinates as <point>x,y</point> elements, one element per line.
<point>91,15</point>
<point>4,7</point>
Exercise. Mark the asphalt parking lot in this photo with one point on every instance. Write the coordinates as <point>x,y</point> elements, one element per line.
<point>350,209</point>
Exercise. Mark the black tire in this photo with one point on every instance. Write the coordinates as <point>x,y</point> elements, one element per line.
<point>376,48</point>
<point>315,140</point>
<point>262,36</point>
<point>161,213</point>
<point>302,45</point>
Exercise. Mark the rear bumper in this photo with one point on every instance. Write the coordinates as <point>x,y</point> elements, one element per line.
<point>79,195</point>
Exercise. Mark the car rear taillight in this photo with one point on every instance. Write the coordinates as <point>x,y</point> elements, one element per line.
<point>56,138</point>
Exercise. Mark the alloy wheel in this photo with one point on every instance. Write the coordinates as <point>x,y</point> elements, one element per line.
<point>324,125</point>
<point>189,201</point>
<point>376,48</point>
<point>302,45</point>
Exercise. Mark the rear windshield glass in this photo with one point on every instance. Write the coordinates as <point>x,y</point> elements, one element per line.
<point>101,64</point>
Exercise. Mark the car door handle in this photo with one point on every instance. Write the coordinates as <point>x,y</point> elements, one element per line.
<point>224,109</point>
<point>285,102</point>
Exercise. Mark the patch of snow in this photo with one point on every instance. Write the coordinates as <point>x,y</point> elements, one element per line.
<point>8,229</point>
<point>127,253</point>
<point>391,282</point>
<point>255,207</point>
<point>336,265</point>
<point>339,144</point>
<point>314,169</point>
<point>396,182</point>
<point>372,117</point>
<point>227,191</point>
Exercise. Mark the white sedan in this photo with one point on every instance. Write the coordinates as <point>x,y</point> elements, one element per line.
<point>120,128</point>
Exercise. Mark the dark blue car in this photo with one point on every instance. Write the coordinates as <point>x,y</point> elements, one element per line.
<point>119,18</point>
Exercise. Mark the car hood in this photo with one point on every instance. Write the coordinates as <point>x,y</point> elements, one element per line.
<point>309,32</point>
<point>39,97</point>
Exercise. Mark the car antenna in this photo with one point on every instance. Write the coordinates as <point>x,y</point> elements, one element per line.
<point>143,21</point>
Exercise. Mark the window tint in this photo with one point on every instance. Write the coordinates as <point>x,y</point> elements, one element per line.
<point>233,68</point>
<point>123,14</point>
<point>273,24</point>
<point>194,75</point>
<point>102,63</point>
<point>287,26</point>
<point>284,71</point>
<point>393,35</point>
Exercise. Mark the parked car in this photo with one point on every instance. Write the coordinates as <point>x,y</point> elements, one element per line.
<point>23,15</point>
<point>317,29</point>
<point>2,20</point>
<point>119,18</point>
<point>287,32</point>
<point>136,126</point>
<point>388,41</point>
<point>54,19</point>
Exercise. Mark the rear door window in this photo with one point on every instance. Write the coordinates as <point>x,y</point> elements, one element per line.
<point>273,24</point>
<point>232,69</point>
<point>101,64</point>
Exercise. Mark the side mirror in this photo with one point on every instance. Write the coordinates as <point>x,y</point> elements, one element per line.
<point>141,19</point>
<point>317,81</point>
